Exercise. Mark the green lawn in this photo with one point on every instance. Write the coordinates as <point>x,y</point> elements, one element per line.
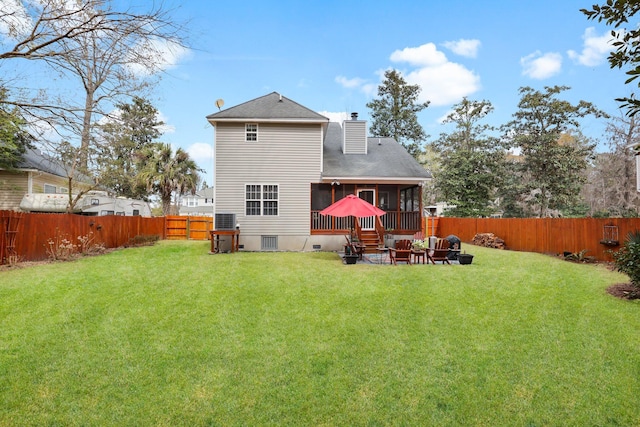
<point>169,335</point>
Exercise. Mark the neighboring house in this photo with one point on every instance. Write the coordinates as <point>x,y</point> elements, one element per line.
<point>37,173</point>
<point>278,163</point>
<point>198,204</point>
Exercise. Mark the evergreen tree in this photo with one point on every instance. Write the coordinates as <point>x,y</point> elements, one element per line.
<point>554,155</point>
<point>394,113</point>
<point>14,140</point>
<point>471,162</point>
<point>135,129</point>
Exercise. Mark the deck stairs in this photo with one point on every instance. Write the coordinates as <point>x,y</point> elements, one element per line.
<point>370,239</point>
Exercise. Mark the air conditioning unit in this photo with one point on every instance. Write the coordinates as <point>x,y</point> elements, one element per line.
<point>225,221</point>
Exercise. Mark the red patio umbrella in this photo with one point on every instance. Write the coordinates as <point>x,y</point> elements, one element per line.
<point>351,205</point>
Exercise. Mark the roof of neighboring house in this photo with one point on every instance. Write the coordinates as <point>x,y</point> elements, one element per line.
<point>35,160</point>
<point>385,158</point>
<point>271,107</point>
<point>207,193</point>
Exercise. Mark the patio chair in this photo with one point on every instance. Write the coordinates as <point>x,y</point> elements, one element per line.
<point>402,252</point>
<point>355,248</point>
<point>439,252</point>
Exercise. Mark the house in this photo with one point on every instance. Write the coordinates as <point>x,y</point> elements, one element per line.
<point>37,173</point>
<point>277,164</point>
<point>198,204</point>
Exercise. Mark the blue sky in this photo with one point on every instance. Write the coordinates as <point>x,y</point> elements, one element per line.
<point>329,56</point>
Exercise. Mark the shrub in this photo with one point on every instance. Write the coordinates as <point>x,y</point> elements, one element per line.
<point>61,248</point>
<point>627,259</point>
<point>579,257</point>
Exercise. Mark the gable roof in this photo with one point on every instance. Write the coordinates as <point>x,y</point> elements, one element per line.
<point>35,160</point>
<point>386,159</point>
<point>271,107</point>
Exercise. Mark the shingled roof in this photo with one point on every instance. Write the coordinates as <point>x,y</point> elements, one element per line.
<point>35,160</point>
<point>271,107</point>
<point>385,159</point>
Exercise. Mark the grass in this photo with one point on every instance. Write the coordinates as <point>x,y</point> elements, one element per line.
<point>169,335</point>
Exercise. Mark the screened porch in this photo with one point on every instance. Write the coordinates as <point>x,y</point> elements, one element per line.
<point>402,204</point>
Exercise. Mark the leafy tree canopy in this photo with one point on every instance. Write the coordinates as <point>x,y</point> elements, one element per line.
<point>133,129</point>
<point>14,140</point>
<point>394,113</point>
<point>166,173</point>
<point>553,161</point>
<point>626,40</point>
<point>471,162</point>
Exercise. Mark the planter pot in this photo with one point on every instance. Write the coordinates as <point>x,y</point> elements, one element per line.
<point>351,259</point>
<point>465,258</point>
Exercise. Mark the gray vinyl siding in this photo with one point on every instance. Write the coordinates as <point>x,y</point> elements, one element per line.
<point>288,155</point>
<point>355,137</point>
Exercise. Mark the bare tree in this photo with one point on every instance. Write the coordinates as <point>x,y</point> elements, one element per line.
<point>42,29</point>
<point>612,180</point>
<point>110,54</point>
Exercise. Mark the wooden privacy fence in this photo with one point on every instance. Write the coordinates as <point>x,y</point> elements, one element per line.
<point>544,235</point>
<point>35,230</point>
<point>188,227</point>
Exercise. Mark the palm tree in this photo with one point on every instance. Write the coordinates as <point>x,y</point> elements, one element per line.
<point>164,173</point>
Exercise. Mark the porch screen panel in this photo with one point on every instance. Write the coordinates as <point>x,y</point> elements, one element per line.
<point>320,196</point>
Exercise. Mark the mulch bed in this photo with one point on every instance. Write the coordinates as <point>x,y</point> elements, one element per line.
<point>624,291</point>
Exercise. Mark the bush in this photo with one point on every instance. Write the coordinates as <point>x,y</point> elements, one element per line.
<point>627,259</point>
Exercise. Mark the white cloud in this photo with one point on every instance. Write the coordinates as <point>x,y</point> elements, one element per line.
<point>202,154</point>
<point>595,48</point>
<point>541,66</point>
<point>335,117</point>
<point>426,55</point>
<point>349,83</point>
<point>445,84</point>
<point>163,54</point>
<point>15,19</point>
<point>463,47</point>
<point>369,89</point>
<point>442,82</point>
<point>165,128</point>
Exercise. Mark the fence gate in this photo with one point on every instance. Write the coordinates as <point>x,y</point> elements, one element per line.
<point>188,227</point>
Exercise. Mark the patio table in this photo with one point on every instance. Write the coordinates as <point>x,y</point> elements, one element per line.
<point>383,255</point>
<point>418,255</point>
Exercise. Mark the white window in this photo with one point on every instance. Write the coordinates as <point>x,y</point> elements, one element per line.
<point>261,199</point>
<point>50,189</point>
<point>251,132</point>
